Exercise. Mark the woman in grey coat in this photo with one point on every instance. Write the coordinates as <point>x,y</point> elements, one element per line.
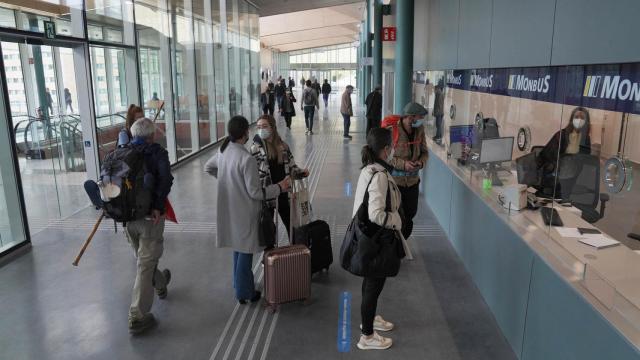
<point>239,201</point>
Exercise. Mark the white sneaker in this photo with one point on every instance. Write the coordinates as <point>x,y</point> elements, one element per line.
<point>376,342</point>
<point>381,324</point>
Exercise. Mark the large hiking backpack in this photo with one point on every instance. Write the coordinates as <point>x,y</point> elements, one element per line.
<point>122,177</point>
<point>391,122</point>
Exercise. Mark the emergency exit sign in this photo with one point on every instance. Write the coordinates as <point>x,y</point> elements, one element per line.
<point>49,29</point>
<point>389,33</point>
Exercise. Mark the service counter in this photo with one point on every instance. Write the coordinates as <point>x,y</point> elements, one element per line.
<point>552,296</point>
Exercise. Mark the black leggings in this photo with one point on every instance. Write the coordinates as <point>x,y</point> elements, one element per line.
<point>371,289</point>
<point>284,209</point>
<point>287,119</point>
<point>409,205</point>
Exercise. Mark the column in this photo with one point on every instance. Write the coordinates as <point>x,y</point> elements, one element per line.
<point>367,50</point>
<point>377,42</point>
<point>404,54</point>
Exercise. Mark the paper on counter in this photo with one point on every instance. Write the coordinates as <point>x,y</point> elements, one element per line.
<point>599,241</point>
<point>568,232</point>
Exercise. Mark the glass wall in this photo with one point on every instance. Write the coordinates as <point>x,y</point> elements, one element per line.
<point>335,63</point>
<point>190,64</point>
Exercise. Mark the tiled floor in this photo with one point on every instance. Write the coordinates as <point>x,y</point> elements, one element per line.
<point>51,310</point>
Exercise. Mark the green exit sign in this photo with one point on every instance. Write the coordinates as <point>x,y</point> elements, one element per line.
<point>49,29</point>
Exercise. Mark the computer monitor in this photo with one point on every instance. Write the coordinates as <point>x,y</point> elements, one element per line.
<point>496,150</point>
<point>461,134</point>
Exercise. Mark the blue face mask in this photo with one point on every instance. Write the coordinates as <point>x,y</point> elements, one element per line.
<point>417,124</point>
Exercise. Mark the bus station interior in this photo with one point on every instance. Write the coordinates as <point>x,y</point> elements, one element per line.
<point>490,280</point>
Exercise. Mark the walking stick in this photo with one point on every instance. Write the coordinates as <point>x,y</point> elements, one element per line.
<point>86,243</point>
<point>158,112</point>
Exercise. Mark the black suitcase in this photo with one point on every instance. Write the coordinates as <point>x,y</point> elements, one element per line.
<point>317,237</point>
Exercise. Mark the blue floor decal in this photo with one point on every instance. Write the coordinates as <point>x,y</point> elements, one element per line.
<point>344,322</point>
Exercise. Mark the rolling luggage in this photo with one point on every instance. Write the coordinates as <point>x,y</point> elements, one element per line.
<point>287,273</point>
<point>317,237</point>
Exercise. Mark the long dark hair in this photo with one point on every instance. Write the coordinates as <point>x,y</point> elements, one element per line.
<point>131,115</point>
<point>586,129</point>
<point>377,140</point>
<point>237,127</point>
<point>276,145</point>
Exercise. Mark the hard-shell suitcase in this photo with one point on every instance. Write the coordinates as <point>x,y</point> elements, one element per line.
<point>287,275</point>
<point>317,237</point>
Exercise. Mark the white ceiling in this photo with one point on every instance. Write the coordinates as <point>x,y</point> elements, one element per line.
<point>312,28</point>
<point>275,7</point>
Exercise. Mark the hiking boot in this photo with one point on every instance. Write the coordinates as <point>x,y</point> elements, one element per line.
<point>162,293</point>
<point>138,326</point>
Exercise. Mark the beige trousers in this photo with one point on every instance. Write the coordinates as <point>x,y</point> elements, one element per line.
<point>147,242</point>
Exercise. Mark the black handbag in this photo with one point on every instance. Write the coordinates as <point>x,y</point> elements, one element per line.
<point>368,249</point>
<point>267,227</point>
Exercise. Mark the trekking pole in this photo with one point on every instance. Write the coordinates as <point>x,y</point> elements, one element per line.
<point>86,243</point>
<point>158,112</point>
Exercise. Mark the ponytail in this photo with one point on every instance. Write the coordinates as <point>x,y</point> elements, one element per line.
<point>377,140</point>
<point>237,127</point>
<point>226,142</point>
<point>368,156</point>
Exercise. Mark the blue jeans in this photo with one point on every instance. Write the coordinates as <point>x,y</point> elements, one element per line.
<point>347,123</point>
<point>243,276</point>
<point>326,99</point>
<point>309,112</point>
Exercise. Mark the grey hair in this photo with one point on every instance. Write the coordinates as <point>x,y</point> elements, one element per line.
<point>144,128</point>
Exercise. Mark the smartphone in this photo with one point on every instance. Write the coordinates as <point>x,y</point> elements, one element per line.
<point>583,231</point>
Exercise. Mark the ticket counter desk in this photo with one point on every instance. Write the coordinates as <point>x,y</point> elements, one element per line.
<point>552,296</point>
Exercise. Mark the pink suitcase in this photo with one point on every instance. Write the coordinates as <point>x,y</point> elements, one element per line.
<point>287,275</point>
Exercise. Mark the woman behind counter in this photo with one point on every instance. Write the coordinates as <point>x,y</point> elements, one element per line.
<point>575,138</point>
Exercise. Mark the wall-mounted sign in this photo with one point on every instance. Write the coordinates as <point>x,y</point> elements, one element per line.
<point>367,61</point>
<point>389,33</point>
<point>49,29</point>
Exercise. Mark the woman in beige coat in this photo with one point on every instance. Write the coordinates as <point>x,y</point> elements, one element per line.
<point>376,169</point>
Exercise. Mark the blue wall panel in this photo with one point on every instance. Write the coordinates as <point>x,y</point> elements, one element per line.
<point>562,325</point>
<point>497,259</point>
<point>436,185</point>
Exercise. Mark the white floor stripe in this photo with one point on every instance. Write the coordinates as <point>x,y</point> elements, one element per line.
<point>267,343</point>
<point>256,340</point>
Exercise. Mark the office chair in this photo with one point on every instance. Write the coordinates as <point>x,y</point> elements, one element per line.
<point>582,187</point>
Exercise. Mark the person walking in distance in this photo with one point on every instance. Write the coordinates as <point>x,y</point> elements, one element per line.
<point>287,107</point>
<point>410,157</point>
<point>309,106</point>
<point>346,109</point>
<point>67,100</point>
<point>292,83</point>
<point>146,235</point>
<point>375,178</point>
<point>240,196</point>
<point>268,100</point>
<point>49,101</point>
<point>438,110</point>
<point>326,90</point>
<point>280,88</point>
<point>374,108</point>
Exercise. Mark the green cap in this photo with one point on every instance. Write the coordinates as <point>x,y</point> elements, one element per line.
<point>413,108</point>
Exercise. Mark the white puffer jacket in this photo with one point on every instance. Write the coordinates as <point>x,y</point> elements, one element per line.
<point>378,196</point>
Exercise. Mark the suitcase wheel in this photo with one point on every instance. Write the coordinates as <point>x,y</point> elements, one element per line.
<point>306,302</point>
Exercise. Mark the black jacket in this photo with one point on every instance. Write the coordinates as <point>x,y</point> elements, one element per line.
<point>286,106</point>
<point>157,164</point>
<point>326,88</point>
<point>558,143</point>
<point>263,99</point>
<point>374,105</point>
<point>280,89</point>
<point>316,87</point>
<point>292,83</point>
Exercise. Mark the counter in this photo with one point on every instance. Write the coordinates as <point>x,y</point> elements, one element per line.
<point>553,297</point>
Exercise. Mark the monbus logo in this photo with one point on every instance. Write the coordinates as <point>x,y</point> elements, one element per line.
<point>521,82</point>
<point>455,80</point>
<point>611,87</point>
<point>480,81</point>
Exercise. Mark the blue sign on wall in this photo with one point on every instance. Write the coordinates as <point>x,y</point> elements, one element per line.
<point>613,87</point>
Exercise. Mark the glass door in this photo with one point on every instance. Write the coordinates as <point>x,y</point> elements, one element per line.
<point>49,105</point>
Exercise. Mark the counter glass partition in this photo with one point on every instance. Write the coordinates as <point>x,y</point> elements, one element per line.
<point>564,138</point>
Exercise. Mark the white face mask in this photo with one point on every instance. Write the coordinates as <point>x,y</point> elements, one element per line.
<point>578,123</point>
<point>390,155</point>
<point>264,133</point>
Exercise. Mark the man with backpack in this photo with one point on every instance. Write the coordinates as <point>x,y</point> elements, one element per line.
<point>309,106</point>
<point>410,156</point>
<point>146,186</point>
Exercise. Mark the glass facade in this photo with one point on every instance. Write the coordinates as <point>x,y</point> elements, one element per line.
<point>190,64</point>
<point>337,63</point>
